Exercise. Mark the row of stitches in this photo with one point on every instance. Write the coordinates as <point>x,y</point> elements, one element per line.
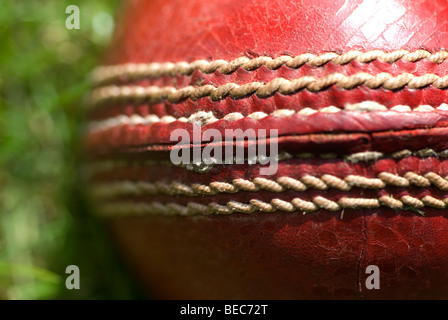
<point>153,94</point>
<point>203,117</point>
<point>365,156</point>
<point>281,184</point>
<point>130,71</point>
<point>405,202</point>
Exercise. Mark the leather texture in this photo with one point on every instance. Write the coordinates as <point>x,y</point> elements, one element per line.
<point>283,255</point>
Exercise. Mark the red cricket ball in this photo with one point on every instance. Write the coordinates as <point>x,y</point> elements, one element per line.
<point>356,91</point>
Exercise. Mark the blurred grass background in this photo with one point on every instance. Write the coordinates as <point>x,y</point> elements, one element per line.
<point>44,222</point>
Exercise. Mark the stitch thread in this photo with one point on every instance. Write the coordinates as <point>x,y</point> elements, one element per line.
<point>295,205</point>
<point>204,118</point>
<point>155,94</point>
<point>282,184</point>
<point>108,74</point>
<point>365,156</point>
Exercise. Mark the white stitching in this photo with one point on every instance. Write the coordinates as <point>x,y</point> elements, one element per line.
<point>295,205</point>
<point>204,117</point>
<point>108,74</point>
<point>282,184</point>
<point>366,156</point>
<point>153,94</point>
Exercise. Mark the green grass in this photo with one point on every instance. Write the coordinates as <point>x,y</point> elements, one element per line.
<point>44,222</point>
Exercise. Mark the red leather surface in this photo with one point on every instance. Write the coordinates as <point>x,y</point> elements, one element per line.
<point>176,30</point>
<point>288,256</point>
<point>284,255</point>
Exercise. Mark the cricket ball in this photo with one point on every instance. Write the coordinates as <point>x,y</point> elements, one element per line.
<point>347,97</point>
